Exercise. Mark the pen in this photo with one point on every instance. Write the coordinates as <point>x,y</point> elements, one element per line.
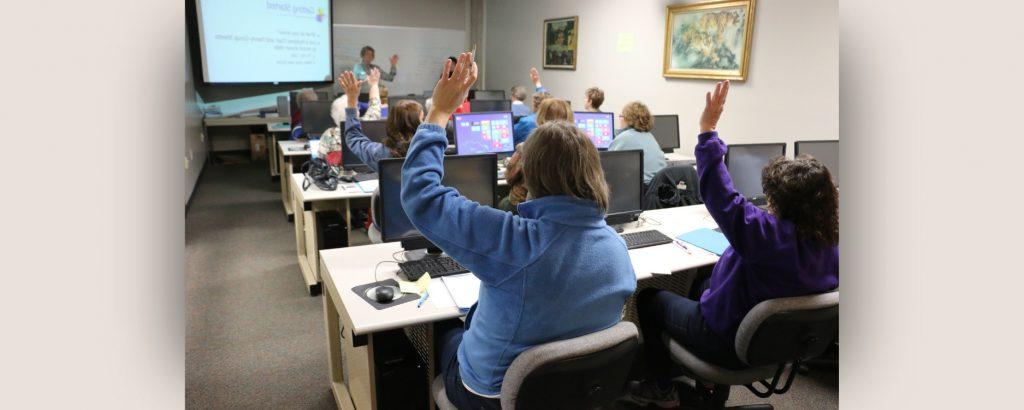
<point>423,298</point>
<point>685,248</point>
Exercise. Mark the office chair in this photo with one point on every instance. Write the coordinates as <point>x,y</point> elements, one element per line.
<point>583,372</point>
<point>775,335</point>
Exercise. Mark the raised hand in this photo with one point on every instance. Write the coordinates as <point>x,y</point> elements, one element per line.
<point>535,77</point>
<point>451,91</point>
<point>350,85</point>
<point>374,77</point>
<point>714,105</point>
<point>394,59</point>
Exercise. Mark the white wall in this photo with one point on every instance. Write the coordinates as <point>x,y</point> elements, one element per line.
<point>791,92</point>
<point>195,147</point>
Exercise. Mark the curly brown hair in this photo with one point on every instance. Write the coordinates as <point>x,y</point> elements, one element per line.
<point>403,119</point>
<point>801,191</point>
<point>637,116</point>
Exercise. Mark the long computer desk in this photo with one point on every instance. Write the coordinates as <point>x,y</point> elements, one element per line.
<point>307,203</point>
<point>352,324</point>
<point>289,154</point>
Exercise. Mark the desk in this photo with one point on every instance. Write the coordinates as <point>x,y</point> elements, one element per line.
<point>287,160</point>
<point>306,205</point>
<point>234,121</point>
<point>353,383</point>
<point>276,132</point>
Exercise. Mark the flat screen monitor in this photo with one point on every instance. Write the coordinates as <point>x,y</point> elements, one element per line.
<point>624,174</point>
<point>316,118</point>
<point>666,131</point>
<point>825,151</point>
<point>490,105</point>
<point>599,127</point>
<point>375,131</point>
<point>474,176</point>
<point>745,162</point>
<point>273,42</point>
<point>488,95</point>
<point>478,133</point>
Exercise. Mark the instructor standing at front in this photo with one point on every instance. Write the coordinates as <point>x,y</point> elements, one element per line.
<point>363,68</point>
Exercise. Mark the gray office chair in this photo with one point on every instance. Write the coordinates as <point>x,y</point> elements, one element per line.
<point>774,336</point>
<point>579,373</point>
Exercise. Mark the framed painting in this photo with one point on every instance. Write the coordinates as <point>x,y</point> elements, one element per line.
<point>560,42</point>
<point>709,40</point>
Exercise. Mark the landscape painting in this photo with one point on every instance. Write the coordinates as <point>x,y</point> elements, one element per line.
<point>709,40</point>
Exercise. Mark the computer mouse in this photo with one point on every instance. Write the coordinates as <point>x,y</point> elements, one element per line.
<point>346,178</point>
<point>384,294</point>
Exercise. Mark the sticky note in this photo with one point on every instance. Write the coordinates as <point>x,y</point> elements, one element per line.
<point>624,43</point>
<point>417,287</point>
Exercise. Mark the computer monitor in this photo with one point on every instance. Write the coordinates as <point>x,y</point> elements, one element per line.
<point>490,105</point>
<point>480,133</point>
<point>487,95</point>
<point>825,151</point>
<point>624,174</point>
<point>375,131</point>
<point>474,176</point>
<point>666,131</point>
<point>599,127</point>
<point>745,162</point>
<point>316,118</point>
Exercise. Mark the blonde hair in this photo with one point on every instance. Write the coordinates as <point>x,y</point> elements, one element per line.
<point>553,109</point>
<point>558,159</point>
<point>538,98</point>
<point>637,116</point>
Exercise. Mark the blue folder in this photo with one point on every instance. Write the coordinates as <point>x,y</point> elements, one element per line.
<point>707,239</point>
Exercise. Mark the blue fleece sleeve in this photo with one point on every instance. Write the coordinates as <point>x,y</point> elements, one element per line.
<point>493,244</point>
<point>369,152</point>
<point>747,227</point>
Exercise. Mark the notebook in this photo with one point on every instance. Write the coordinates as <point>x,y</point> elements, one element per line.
<point>707,239</point>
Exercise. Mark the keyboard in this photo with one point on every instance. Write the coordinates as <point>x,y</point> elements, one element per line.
<point>439,266</point>
<point>366,176</point>
<point>643,239</point>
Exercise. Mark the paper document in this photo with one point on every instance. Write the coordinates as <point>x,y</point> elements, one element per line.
<point>707,239</point>
<point>464,289</point>
<point>439,295</point>
<point>368,186</point>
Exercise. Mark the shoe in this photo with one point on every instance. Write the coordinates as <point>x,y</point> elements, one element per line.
<point>647,392</point>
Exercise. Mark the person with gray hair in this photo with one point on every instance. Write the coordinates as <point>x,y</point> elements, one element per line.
<point>518,95</point>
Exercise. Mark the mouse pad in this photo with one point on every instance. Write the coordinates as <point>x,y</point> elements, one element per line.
<point>400,297</point>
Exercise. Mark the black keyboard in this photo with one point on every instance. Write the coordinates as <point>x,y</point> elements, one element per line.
<point>643,239</point>
<point>360,177</point>
<point>439,266</point>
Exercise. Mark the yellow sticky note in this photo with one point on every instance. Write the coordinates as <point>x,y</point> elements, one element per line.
<point>417,287</point>
<point>624,44</point>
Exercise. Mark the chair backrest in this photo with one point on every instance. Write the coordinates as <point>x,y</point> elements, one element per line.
<point>786,329</point>
<point>583,372</point>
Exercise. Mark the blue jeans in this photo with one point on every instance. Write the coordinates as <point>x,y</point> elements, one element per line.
<point>447,338</point>
<point>662,311</point>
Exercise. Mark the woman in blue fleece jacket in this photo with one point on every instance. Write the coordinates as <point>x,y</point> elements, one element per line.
<point>554,272</point>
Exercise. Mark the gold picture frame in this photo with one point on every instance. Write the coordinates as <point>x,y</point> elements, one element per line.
<point>702,40</point>
<point>560,37</point>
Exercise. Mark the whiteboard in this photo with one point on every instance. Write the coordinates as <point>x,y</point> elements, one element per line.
<point>421,52</point>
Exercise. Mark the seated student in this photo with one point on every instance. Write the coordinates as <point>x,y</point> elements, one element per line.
<point>551,109</point>
<point>637,122</point>
<point>592,99</point>
<point>518,95</point>
<point>296,120</point>
<point>554,272</point>
<point>789,250</point>
<point>330,142</point>
<point>383,101</point>
<point>521,130</point>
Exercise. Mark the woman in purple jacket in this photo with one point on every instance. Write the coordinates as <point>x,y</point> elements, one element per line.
<point>789,250</point>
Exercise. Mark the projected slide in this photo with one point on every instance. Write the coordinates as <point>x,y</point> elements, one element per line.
<point>268,41</point>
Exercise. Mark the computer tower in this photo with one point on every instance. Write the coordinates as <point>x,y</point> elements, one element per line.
<point>331,230</point>
<point>402,381</point>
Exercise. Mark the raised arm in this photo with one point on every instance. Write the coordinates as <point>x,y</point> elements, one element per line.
<point>374,108</point>
<point>493,244</point>
<point>368,151</point>
<point>390,75</point>
<point>535,78</point>
<point>746,226</point>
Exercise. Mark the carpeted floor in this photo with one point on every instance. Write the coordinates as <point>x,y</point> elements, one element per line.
<point>254,336</point>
